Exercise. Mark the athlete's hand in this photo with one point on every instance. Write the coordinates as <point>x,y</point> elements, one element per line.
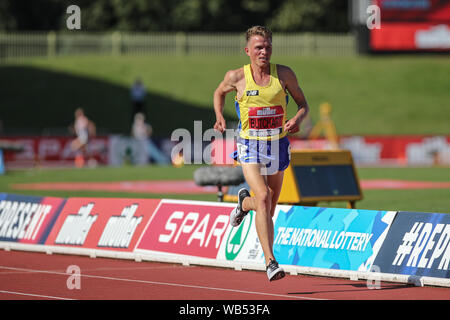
<point>292,125</point>
<point>220,124</point>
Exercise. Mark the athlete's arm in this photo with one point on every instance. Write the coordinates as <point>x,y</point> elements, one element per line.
<point>227,85</point>
<point>291,84</point>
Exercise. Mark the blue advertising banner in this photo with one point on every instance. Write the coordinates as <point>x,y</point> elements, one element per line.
<point>333,238</point>
<point>417,244</point>
<point>28,219</point>
<point>2,163</point>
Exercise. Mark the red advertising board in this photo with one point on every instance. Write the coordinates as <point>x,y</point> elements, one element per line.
<point>414,10</point>
<point>408,25</point>
<point>187,227</point>
<point>101,223</point>
<point>411,36</point>
<point>423,150</point>
<point>52,150</point>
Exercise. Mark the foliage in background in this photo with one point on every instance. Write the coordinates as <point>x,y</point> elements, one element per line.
<point>176,15</point>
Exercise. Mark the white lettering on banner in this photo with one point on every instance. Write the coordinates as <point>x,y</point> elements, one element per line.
<point>198,230</point>
<point>55,149</point>
<point>76,226</point>
<point>21,220</point>
<point>172,227</point>
<point>425,243</point>
<point>119,230</point>
<point>49,148</point>
<point>424,152</point>
<point>362,151</point>
<point>318,238</point>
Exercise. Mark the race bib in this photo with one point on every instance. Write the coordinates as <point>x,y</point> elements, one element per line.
<point>265,121</point>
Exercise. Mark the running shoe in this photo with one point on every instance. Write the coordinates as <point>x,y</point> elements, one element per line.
<point>274,271</point>
<point>237,215</point>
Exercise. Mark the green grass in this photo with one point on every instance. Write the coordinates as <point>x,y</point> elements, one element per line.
<point>369,95</point>
<point>427,200</point>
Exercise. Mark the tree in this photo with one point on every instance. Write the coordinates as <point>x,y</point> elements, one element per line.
<point>311,15</point>
<point>176,15</point>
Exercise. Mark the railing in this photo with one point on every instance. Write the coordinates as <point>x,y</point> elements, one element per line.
<point>34,44</point>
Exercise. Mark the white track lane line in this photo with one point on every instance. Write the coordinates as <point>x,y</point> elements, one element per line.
<point>34,295</point>
<point>167,284</point>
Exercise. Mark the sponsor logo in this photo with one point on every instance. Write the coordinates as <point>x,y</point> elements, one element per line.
<point>119,230</point>
<point>252,93</point>
<point>266,112</point>
<point>193,228</point>
<point>327,239</point>
<point>22,220</point>
<point>426,245</point>
<point>98,223</point>
<point>437,37</point>
<point>333,238</point>
<point>237,237</point>
<point>76,226</point>
<point>188,229</point>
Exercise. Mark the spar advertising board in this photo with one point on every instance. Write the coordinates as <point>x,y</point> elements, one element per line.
<point>28,219</point>
<point>332,238</point>
<point>418,244</point>
<point>102,223</point>
<point>191,228</point>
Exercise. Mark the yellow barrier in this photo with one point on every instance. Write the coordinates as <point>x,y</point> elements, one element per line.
<point>314,176</point>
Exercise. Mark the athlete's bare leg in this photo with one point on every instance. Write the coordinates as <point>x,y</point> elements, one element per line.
<point>275,182</point>
<point>267,190</point>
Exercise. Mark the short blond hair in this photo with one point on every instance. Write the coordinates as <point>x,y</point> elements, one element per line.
<point>259,31</point>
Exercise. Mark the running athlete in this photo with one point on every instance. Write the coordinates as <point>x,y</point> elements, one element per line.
<point>84,130</point>
<point>263,149</point>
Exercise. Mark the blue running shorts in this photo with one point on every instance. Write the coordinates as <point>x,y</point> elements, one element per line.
<point>275,155</point>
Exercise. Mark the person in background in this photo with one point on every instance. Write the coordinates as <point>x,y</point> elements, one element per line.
<point>138,94</point>
<point>141,132</point>
<point>84,129</point>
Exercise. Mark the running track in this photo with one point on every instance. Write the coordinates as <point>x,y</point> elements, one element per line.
<point>38,276</point>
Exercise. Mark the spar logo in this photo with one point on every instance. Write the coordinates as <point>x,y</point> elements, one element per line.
<point>236,238</point>
<point>193,227</point>
<point>187,228</point>
<point>425,246</point>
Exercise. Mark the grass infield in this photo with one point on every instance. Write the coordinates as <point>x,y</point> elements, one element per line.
<point>369,95</point>
<point>422,200</point>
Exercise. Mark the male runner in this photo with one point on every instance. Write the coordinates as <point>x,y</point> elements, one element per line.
<point>261,104</point>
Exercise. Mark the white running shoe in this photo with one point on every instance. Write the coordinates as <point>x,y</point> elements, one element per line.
<point>274,271</point>
<point>237,215</point>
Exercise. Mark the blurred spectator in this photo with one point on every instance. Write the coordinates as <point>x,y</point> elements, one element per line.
<point>84,129</point>
<point>138,97</point>
<point>142,131</point>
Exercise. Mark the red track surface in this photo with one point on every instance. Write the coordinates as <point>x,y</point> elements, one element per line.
<point>27,275</point>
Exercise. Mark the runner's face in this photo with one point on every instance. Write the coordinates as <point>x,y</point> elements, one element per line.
<point>259,50</point>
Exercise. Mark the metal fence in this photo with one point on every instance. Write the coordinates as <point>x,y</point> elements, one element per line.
<point>21,45</point>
